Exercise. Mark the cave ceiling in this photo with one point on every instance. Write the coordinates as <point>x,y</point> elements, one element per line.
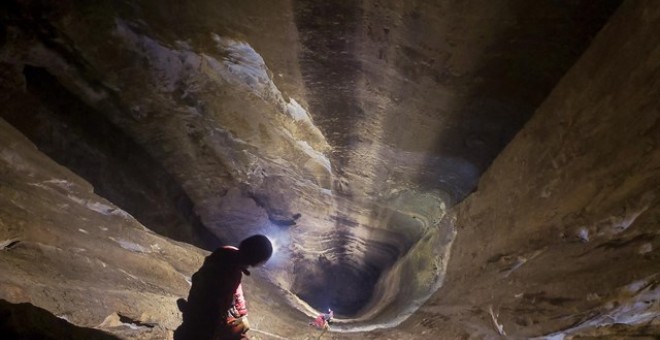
<point>341,129</point>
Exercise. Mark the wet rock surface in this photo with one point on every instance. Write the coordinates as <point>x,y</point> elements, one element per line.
<point>347,132</point>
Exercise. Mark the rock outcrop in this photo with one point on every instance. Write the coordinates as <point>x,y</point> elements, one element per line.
<point>73,253</point>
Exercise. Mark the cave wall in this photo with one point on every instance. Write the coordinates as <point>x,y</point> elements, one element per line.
<point>80,138</point>
<point>260,112</point>
<point>561,236</point>
<point>69,251</point>
<point>346,128</point>
<point>71,259</point>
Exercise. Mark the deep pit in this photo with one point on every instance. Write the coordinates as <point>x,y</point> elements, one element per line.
<point>428,169</point>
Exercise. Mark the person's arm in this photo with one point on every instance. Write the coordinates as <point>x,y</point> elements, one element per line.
<point>239,308</point>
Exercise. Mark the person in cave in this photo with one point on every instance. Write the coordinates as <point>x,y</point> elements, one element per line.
<point>323,320</point>
<point>216,308</point>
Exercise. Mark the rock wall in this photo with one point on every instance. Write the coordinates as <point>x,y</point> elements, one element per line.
<point>68,253</point>
<point>78,137</point>
<point>345,131</point>
<point>73,253</point>
<point>562,236</point>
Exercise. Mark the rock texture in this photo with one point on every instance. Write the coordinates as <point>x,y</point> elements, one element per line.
<point>21,321</point>
<point>75,254</point>
<point>561,238</point>
<point>346,131</point>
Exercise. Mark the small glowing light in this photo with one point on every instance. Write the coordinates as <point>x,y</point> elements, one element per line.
<point>280,240</point>
<point>273,241</point>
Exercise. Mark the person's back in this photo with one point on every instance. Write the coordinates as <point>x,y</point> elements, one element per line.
<point>211,295</point>
<point>215,286</point>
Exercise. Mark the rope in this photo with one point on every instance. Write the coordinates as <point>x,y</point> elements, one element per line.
<point>269,334</point>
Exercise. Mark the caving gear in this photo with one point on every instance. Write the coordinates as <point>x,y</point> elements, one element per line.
<point>237,314</point>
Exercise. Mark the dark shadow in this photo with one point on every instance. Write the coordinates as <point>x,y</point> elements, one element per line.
<point>331,70</point>
<point>82,139</point>
<point>27,322</point>
<point>516,72</point>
